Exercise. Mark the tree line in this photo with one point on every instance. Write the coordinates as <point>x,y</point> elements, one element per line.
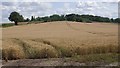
<point>16,17</point>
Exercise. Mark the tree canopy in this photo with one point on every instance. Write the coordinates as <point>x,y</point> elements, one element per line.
<point>76,17</point>
<point>16,17</point>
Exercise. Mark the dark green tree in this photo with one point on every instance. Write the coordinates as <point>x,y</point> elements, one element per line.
<point>27,20</point>
<point>33,18</point>
<point>55,17</point>
<point>45,19</point>
<point>21,18</point>
<point>62,17</point>
<point>71,17</point>
<point>112,20</point>
<point>117,20</point>
<point>16,17</point>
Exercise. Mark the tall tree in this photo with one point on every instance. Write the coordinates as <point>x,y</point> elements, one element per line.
<point>32,18</point>
<point>16,17</point>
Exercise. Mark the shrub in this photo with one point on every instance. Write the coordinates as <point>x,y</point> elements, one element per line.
<point>7,24</point>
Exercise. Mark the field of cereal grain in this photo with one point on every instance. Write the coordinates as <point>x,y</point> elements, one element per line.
<point>59,39</point>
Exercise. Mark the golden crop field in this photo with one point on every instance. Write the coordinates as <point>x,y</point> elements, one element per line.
<point>59,39</point>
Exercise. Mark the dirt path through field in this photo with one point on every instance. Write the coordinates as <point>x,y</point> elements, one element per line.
<point>54,62</point>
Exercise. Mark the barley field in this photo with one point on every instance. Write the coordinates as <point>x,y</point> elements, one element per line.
<point>59,39</point>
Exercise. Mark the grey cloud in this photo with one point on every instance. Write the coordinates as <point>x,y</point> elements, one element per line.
<point>27,4</point>
<point>10,3</point>
<point>7,4</point>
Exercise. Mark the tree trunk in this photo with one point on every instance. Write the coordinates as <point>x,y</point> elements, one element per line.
<point>16,23</point>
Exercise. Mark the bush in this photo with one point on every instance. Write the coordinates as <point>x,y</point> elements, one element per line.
<point>87,20</point>
<point>7,24</point>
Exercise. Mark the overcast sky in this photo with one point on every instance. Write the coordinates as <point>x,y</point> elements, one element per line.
<point>28,9</point>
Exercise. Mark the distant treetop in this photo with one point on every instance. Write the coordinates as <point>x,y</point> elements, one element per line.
<point>16,17</point>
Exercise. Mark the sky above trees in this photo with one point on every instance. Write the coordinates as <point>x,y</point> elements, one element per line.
<point>28,9</point>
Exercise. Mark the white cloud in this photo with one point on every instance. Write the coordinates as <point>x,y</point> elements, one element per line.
<point>66,5</point>
<point>27,9</point>
<point>99,8</point>
<point>89,9</point>
<point>87,4</point>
